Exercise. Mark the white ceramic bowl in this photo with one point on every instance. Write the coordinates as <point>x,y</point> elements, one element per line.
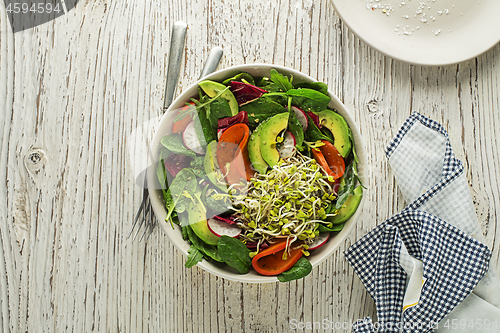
<point>164,128</point>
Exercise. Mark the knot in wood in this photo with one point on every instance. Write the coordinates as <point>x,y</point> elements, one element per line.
<point>34,157</point>
<point>35,161</point>
<point>372,106</point>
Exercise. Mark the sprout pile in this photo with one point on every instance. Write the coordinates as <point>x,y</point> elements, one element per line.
<point>289,201</point>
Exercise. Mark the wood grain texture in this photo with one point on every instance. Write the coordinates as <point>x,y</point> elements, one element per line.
<point>73,90</point>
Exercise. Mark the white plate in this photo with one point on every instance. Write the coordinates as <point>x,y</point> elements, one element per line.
<point>424,32</point>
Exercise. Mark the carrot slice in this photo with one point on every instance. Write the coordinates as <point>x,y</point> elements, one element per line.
<point>270,261</point>
<point>329,158</point>
<point>180,125</point>
<point>318,156</point>
<point>334,160</point>
<point>232,153</point>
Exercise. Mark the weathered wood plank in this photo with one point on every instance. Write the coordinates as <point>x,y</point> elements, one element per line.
<point>73,90</point>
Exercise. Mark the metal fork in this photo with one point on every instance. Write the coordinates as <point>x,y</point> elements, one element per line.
<point>148,217</point>
<point>145,212</point>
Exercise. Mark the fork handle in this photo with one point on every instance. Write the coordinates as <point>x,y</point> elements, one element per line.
<point>212,61</point>
<point>174,61</point>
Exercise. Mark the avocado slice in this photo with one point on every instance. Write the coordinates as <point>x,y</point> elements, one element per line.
<point>211,166</point>
<point>349,208</point>
<point>258,163</point>
<point>212,88</point>
<point>339,128</point>
<point>199,224</point>
<point>269,132</point>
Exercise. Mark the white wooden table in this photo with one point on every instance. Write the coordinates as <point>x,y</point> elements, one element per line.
<point>72,91</point>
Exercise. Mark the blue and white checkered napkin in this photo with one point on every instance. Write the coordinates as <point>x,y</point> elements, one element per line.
<point>426,267</point>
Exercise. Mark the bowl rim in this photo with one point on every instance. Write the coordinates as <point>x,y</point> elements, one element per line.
<point>156,198</point>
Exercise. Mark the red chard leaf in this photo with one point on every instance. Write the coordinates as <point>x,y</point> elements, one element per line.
<point>245,92</point>
<point>240,117</point>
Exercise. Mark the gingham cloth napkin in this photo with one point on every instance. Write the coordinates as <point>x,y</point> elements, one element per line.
<point>426,268</point>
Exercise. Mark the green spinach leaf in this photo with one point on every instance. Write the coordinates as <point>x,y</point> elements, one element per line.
<point>206,249</point>
<point>313,133</point>
<point>262,109</point>
<point>217,206</point>
<point>347,186</point>
<point>318,86</point>
<point>197,166</point>
<point>183,184</point>
<point>335,227</point>
<point>161,174</point>
<point>281,82</point>
<point>265,83</point>
<point>173,142</point>
<point>194,257</point>
<point>242,77</point>
<point>295,128</point>
<point>200,130</point>
<point>197,162</point>
<point>301,269</point>
<point>219,108</point>
<point>327,133</point>
<point>235,254</point>
<point>184,233</point>
<point>309,99</point>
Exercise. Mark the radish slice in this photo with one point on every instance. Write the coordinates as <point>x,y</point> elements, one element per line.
<point>220,228</point>
<point>301,116</point>
<point>288,146</point>
<point>219,132</point>
<point>319,241</point>
<point>191,140</point>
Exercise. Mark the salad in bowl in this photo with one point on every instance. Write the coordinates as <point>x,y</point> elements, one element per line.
<point>258,177</point>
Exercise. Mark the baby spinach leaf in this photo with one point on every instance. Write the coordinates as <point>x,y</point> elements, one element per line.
<point>295,128</point>
<point>184,233</point>
<point>194,257</point>
<point>200,129</point>
<point>313,133</point>
<point>280,81</point>
<point>173,142</point>
<point>235,254</point>
<point>347,186</point>
<point>206,249</point>
<point>301,269</point>
<point>318,86</point>
<point>183,183</point>
<point>181,206</point>
<point>309,99</point>
<point>219,108</point>
<point>243,77</point>
<point>217,207</point>
<point>161,174</point>
<point>199,172</point>
<point>335,227</point>
<point>327,133</point>
<point>197,167</point>
<point>197,162</point>
<point>265,83</point>
<point>261,109</point>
